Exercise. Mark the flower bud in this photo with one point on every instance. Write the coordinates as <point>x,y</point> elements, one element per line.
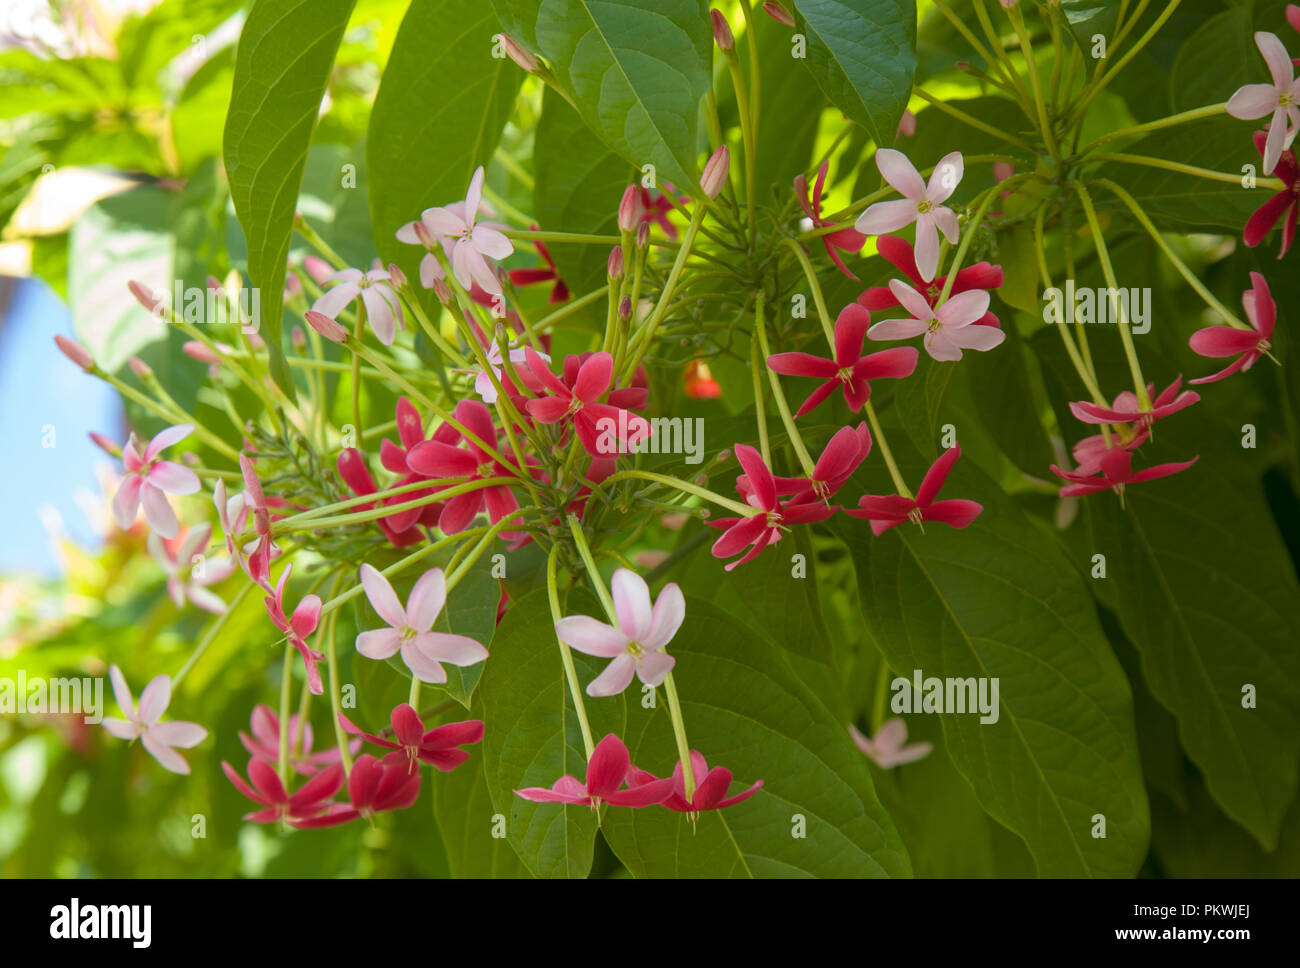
<point>75,352</point>
<point>778,13</point>
<point>629,209</point>
<point>643,235</point>
<point>147,298</point>
<point>442,291</point>
<point>906,125</point>
<point>198,351</point>
<point>1008,4</point>
<point>1002,170</point>
<point>326,327</point>
<point>721,31</point>
<point>317,268</point>
<point>520,55</point>
<point>625,308</point>
<point>214,285</point>
<point>299,339</point>
<point>106,445</point>
<point>140,368</point>
<point>715,172</point>
<point>396,276</point>
<point>614,268</point>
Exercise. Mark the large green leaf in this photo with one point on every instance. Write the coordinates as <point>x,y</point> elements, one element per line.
<point>532,736</point>
<point>1216,60</point>
<point>282,65</point>
<point>998,600</point>
<point>575,191</point>
<point>746,710</point>
<point>466,819</point>
<point>862,54</point>
<point>791,108</point>
<point>438,115</point>
<point>636,72</point>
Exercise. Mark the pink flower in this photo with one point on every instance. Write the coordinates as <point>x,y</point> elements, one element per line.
<point>264,743</point>
<point>1089,452</point>
<point>356,475</point>
<point>373,787</point>
<point>147,481</point>
<point>846,239</point>
<point>395,458</point>
<point>889,511</point>
<point>610,765</point>
<point>1281,99</point>
<point>655,210</point>
<point>160,739</point>
<point>441,458</point>
<point>414,745</point>
<point>886,749</point>
<point>898,251</point>
<point>758,487</point>
<point>299,627</point>
<point>187,578</point>
<point>471,245</point>
<point>1116,471</point>
<point>921,203</point>
<point>383,307</point>
<point>599,425</point>
<point>948,330</point>
<point>1126,409</point>
<point>843,454</point>
<point>1284,205</point>
<point>408,630</point>
<point>310,802</point>
<point>850,369</point>
<point>1219,341</point>
<point>710,786</point>
<point>636,643</point>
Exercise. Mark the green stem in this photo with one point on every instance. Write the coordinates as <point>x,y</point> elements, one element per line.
<point>878,433</point>
<point>566,656</point>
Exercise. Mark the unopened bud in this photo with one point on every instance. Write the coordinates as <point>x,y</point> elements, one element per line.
<point>140,368</point>
<point>147,298</point>
<point>614,267</point>
<point>721,30</point>
<point>214,285</point>
<point>106,445</point>
<point>1002,170</point>
<point>199,351</point>
<point>443,292</point>
<point>625,308</point>
<point>906,125</point>
<point>1009,4</point>
<point>299,338</point>
<point>75,352</point>
<point>715,172</point>
<point>396,276</point>
<point>520,55</point>
<point>317,268</point>
<point>778,13</point>
<point>630,209</point>
<point>326,327</point>
<point>643,235</point>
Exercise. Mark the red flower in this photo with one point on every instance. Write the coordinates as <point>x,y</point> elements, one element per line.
<point>1126,409</point>
<point>373,788</point>
<point>530,277</point>
<point>410,430</point>
<point>356,475</point>
<point>296,629</point>
<point>1116,471</point>
<point>599,425</point>
<point>982,275</point>
<point>1285,204</point>
<point>889,511</point>
<point>437,746</point>
<point>1089,451</point>
<point>710,786</point>
<point>308,803</point>
<point>655,209</point>
<point>844,452</point>
<point>610,765</point>
<point>850,369</point>
<point>1217,341</point>
<point>845,239</point>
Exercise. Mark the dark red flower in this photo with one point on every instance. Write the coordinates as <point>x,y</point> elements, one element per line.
<point>1220,341</point>
<point>710,786</point>
<point>610,765</point>
<point>600,426</point>
<point>847,239</point>
<point>891,510</point>
<point>530,277</point>
<point>437,746</point>
<point>1284,205</point>
<point>1116,471</point>
<point>310,802</point>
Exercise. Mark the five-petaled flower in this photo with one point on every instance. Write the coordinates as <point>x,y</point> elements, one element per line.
<point>948,330</point>
<point>147,481</point>
<point>600,426</point>
<point>383,308</point>
<point>608,769</point>
<point>889,511</point>
<point>1284,205</point>
<point>1280,99</point>
<point>889,747</point>
<point>310,802</point>
<point>850,369</point>
<point>1115,471</point>
<point>841,240</point>
<point>921,203</point>
<point>1251,344</point>
<point>373,787</point>
<point>410,629</point>
<point>711,786</point>
<point>1127,410</point>
<point>264,743</point>
<point>847,449</point>
<point>472,243</point>
<point>636,643</point>
<point>299,627</point>
<point>981,275</point>
<point>414,744</point>
<point>142,723</point>
<point>189,572</point>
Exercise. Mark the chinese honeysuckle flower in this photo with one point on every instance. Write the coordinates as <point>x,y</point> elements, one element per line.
<point>1126,409</point>
<point>1089,452</point>
<point>188,578</point>
<point>298,628</point>
<point>383,307</point>
<point>142,723</point>
<point>844,452</point>
<point>607,770</point>
<point>373,787</point>
<point>1281,99</point>
<point>889,511</point>
<point>264,743</point>
<point>981,275</point>
<point>409,629</point>
<point>710,786</point>
<point>948,330</point>
<point>1284,206</point>
<point>921,203</point>
<point>636,643</point>
<point>147,481</point>
<point>483,383</point>
<point>889,747</point>
<point>850,369</point>
<point>1116,471</point>
<point>845,239</point>
<point>414,744</point>
<point>1251,344</point>
<point>601,427</point>
<point>472,245</point>
<point>312,800</point>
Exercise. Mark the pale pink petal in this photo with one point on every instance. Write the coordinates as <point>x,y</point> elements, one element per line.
<point>474,196</point>
<point>154,699</point>
<point>348,274</point>
<point>667,617</point>
<point>1277,59</point>
<point>444,222</point>
<point>157,511</point>
<point>206,600</point>
<point>945,177</point>
<point>631,603</point>
<point>911,300</point>
<point>424,668</point>
<point>382,597</point>
<point>121,728</point>
<point>459,650</point>
<point>946,220</point>
<point>1276,142</point>
<point>492,243</point>
<point>654,667</point>
<point>379,315</point>
<point>481,272</point>
<point>1252,101</point>
<point>165,755</point>
<point>427,599</point>
<point>941,347</point>
<point>585,634</point>
<point>927,246</point>
<point>982,338</point>
<point>335,300</point>
<point>886,217</point>
<point>165,438</point>
<point>616,677</point>
<point>964,308</point>
<point>896,329</point>
<point>178,733</point>
<point>173,478</point>
<point>431,271</point>
<point>127,501</point>
<point>122,692</point>
<point>379,643</point>
<point>900,173</point>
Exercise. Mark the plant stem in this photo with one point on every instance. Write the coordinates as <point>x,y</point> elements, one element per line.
<point>566,656</point>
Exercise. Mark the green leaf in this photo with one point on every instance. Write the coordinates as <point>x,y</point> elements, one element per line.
<point>917,402</point>
<point>465,818</point>
<point>999,601</point>
<point>746,710</point>
<point>532,737</point>
<point>575,191</point>
<point>635,72</point>
<point>471,610</point>
<point>1004,402</point>
<point>438,115</point>
<point>791,109</point>
<point>282,66</point>
<point>1216,60</point>
<point>862,53</point>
